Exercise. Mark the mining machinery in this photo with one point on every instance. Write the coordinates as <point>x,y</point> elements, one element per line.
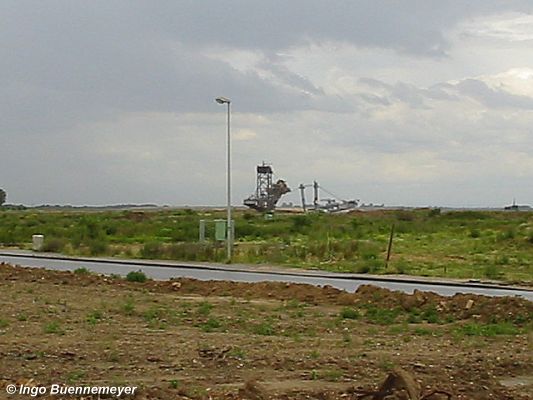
<point>267,193</point>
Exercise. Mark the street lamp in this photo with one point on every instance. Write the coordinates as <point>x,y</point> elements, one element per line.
<point>229,234</point>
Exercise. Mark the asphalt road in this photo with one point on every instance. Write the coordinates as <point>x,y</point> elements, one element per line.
<point>166,270</point>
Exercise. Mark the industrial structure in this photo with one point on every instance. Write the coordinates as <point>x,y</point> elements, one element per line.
<point>326,205</point>
<point>267,193</point>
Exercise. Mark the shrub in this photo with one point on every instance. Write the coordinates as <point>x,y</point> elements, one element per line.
<point>475,233</point>
<point>98,247</point>
<point>54,245</point>
<point>434,212</point>
<point>152,250</point>
<point>491,271</point>
<point>82,271</point>
<point>362,269</point>
<point>349,313</point>
<point>405,216</point>
<point>402,266</point>
<point>299,222</point>
<point>136,276</point>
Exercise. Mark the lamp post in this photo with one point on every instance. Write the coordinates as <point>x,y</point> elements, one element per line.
<point>229,227</point>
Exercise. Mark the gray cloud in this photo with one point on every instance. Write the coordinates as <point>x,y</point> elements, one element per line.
<point>492,97</point>
<point>113,101</point>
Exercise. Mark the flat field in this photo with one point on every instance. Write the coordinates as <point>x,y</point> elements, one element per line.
<point>458,244</point>
<point>187,339</point>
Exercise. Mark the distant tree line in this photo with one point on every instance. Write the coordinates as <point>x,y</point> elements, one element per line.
<point>3,196</point>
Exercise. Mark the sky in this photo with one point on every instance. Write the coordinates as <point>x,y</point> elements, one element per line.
<point>412,102</point>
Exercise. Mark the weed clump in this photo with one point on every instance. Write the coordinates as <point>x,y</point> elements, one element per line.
<point>52,327</point>
<point>210,325</point>
<point>264,328</point>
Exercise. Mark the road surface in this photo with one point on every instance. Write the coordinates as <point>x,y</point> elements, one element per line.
<point>160,270</point>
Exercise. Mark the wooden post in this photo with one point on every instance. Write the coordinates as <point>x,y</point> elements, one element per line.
<point>389,250</point>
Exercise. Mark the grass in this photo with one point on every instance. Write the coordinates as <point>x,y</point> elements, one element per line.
<point>467,244</point>
<point>495,329</point>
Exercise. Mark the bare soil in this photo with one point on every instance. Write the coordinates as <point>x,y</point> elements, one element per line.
<point>188,339</point>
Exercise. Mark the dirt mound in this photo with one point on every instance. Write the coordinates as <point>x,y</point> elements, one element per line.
<point>458,307</point>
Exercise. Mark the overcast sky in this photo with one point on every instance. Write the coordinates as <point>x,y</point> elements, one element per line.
<point>396,102</point>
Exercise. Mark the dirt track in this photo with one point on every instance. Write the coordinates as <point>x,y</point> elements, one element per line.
<point>191,339</point>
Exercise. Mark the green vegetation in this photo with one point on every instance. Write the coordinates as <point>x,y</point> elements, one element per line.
<point>94,317</point>
<point>204,308</point>
<point>476,329</point>
<point>264,328</point>
<point>136,276</point>
<point>210,325</point>
<point>458,244</point>
<point>82,271</point>
<point>128,307</point>
<point>174,384</point>
<point>349,313</point>
<point>75,376</point>
<point>53,327</point>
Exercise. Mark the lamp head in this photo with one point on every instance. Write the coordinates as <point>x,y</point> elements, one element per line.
<point>222,100</point>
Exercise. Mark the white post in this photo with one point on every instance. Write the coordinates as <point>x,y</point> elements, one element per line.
<point>229,224</point>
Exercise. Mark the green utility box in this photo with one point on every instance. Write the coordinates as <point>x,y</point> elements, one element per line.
<point>220,229</point>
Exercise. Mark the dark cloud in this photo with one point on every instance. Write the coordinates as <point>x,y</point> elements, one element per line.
<point>412,26</point>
